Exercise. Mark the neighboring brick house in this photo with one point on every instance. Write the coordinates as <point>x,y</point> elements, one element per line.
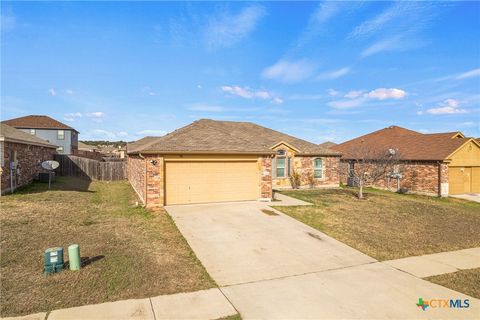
<point>212,161</point>
<point>21,155</point>
<point>433,164</point>
<point>51,130</point>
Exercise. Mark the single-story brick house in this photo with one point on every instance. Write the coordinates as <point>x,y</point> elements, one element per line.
<point>434,164</point>
<point>21,155</point>
<point>214,161</point>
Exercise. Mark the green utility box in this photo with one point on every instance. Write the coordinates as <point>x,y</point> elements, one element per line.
<point>53,260</point>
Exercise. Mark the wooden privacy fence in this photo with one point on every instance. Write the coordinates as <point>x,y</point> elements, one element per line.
<point>91,169</point>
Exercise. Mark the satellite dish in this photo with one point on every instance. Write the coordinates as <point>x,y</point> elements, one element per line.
<point>50,165</point>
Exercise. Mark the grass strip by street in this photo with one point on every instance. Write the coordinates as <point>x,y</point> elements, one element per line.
<point>388,225</point>
<point>127,251</point>
<point>464,281</point>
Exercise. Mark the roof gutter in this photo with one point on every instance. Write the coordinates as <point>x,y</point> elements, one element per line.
<point>13,140</point>
<point>203,152</point>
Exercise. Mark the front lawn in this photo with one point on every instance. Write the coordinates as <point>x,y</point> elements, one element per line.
<point>128,252</point>
<point>389,225</point>
<point>464,281</point>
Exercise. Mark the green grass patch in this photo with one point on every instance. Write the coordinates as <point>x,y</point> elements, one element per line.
<point>127,251</point>
<point>389,225</point>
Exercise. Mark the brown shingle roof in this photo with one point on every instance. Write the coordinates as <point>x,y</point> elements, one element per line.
<point>327,144</point>
<point>11,134</point>
<point>410,145</point>
<point>132,146</point>
<point>37,122</point>
<point>227,137</point>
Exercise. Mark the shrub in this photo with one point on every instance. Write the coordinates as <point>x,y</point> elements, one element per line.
<point>295,179</point>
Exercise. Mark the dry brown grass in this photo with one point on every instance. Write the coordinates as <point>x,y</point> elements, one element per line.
<point>464,281</point>
<point>134,253</point>
<point>389,225</point>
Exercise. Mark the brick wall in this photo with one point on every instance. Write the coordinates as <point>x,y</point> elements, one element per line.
<point>417,177</point>
<point>29,159</point>
<point>136,175</point>
<point>266,177</point>
<point>305,167</point>
<point>155,181</point>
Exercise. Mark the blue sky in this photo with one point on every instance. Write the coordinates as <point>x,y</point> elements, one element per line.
<point>317,70</point>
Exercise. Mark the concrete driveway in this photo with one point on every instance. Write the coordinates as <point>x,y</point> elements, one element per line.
<point>275,267</point>
<point>238,243</point>
<point>468,196</point>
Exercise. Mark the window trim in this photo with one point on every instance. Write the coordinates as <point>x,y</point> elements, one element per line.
<point>63,135</point>
<point>315,169</point>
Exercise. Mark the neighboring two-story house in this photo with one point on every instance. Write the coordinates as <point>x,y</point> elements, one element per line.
<point>51,130</point>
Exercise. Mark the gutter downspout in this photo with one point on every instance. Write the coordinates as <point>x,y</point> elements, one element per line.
<point>145,187</point>
<point>439,178</point>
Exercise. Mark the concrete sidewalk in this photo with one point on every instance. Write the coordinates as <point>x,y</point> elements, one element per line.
<point>204,304</point>
<point>283,200</point>
<point>438,263</point>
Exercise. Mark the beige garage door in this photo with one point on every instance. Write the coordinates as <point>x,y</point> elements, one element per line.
<point>464,180</point>
<point>205,181</point>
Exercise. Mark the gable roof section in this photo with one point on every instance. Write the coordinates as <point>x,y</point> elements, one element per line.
<point>327,144</point>
<point>10,134</point>
<point>37,122</point>
<point>410,145</point>
<point>210,136</point>
<point>132,146</point>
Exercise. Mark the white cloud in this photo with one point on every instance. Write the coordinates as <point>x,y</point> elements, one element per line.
<point>238,91</point>
<point>317,21</point>
<point>345,104</point>
<point>468,74</point>
<point>384,93</point>
<point>225,30</point>
<point>151,132</point>
<point>97,114</point>
<point>247,93</point>
<point>69,91</point>
<point>289,71</point>
<point>333,92</point>
<point>52,92</point>
<point>358,98</point>
<point>72,116</point>
<point>263,95</point>
<point>277,100</point>
<point>375,24</point>
<point>353,94</point>
<point>400,27</point>
<point>334,74</point>
<point>449,106</point>
<point>199,86</point>
<point>388,44</point>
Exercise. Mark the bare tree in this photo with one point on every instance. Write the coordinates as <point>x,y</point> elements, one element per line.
<point>368,165</point>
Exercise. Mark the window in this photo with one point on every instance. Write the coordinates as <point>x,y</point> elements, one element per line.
<point>61,134</point>
<point>318,168</point>
<point>280,164</point>
<point>33,132</point>
<point>280,167</point>
<point>60,149</point>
